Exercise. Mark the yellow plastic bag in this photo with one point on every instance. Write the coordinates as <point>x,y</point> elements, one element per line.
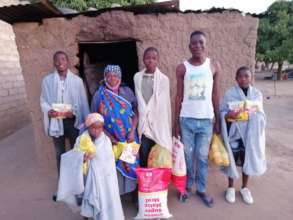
<point>218,153</point>
<point>117,150</point>
<point>120,147</point>
<point>86,145</point>
<point>159,157</point>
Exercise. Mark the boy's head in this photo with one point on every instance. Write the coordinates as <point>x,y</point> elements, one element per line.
<point>95,123</point>
<point>151,59</point>
<point>61,61</point>
<point>197,43</point>
<point>243,77</point>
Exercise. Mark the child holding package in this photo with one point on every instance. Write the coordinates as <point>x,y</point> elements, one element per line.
<point>243,130</point>
<point>100,198</point>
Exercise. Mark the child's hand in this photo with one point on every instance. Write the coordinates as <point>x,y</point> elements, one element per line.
<point>233,114</point>
<point>88,156</point>
<point>53,114</point>
<point>68,114</point>
<point>91,156</point>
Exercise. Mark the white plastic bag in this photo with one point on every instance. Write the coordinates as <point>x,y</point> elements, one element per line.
<point>178,166</point>
<point>178,158</point>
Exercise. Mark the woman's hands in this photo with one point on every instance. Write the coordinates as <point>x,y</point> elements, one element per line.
<point>130,136</point>
<point>126,166</point>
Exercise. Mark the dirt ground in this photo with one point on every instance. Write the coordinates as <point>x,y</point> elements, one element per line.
<point>26,192</point>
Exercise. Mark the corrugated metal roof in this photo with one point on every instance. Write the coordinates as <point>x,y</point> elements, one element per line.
<point>12,2</point>
<point>161,7</point>
<point>158,7</point>
<point>24,11</point>
<point>45,9</point>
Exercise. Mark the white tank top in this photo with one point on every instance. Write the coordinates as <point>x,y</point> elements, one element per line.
<point>198,86</point>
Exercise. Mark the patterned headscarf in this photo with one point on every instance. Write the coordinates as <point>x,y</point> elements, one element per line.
<point>113,69</point>
<point>93,118</point>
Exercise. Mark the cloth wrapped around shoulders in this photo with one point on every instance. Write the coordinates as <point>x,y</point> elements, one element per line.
<point>117,112</point>
<point>251,131</point>
<point>74,95</point>
<point>156,114</point>
<point>99,188</point>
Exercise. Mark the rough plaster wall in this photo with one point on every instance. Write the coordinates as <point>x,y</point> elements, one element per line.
<point>231,40</point>
<point>37,44</point>
<point>13,107</point>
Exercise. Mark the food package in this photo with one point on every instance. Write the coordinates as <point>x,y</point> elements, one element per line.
<point>218,153</point>
<point>152,193</point>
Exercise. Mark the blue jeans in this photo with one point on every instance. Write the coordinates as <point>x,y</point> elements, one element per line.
<point>196,137</point>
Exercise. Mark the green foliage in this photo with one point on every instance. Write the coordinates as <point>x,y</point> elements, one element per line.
<point>275,34</point>
<point>81,5</point>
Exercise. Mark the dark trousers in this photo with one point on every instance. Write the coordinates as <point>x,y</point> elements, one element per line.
<point>144,150</point>
<point>71,133</point>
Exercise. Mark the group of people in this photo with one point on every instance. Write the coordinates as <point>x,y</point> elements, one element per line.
<point>117,114</point>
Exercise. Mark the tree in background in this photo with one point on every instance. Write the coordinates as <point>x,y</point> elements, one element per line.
<point>275,35</point>
<point>82,5</point>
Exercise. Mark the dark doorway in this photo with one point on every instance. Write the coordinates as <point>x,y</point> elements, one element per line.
<point>94,56</point>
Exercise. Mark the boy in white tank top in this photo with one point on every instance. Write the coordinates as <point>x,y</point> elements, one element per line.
<point>196,108</point>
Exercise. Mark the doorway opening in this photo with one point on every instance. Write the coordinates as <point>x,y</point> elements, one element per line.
<point>94,56</point>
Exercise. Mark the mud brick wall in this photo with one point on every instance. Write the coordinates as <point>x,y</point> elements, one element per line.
<point>231,39</point>
<point>13,107</point>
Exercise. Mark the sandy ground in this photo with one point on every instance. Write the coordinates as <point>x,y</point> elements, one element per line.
<point>26,192</point>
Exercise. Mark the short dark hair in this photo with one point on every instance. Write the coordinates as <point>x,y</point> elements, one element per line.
<point>197,33</point>
<point>242,68</point>
<point>150,49</point>
<point>58,53</point>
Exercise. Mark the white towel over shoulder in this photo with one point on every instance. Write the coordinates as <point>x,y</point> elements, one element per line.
<point>156,115</point>
<point>74,95</point>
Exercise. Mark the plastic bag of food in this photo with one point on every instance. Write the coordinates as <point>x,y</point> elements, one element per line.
<point>252,106</point>
<point>127,161</point>
<point>61,108</point>
<point>242,116</point>
<point>152,192</point>
<point>117,150</point>
<point>86,145</point>
<point>129,153</point>
<point>159,157</point>
<point>126,151</point>
<point>218,153</point>
<point>178,166</point>
<point>241,107</point>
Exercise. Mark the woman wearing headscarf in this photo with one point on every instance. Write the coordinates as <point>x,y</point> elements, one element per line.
<point>117,103</point>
